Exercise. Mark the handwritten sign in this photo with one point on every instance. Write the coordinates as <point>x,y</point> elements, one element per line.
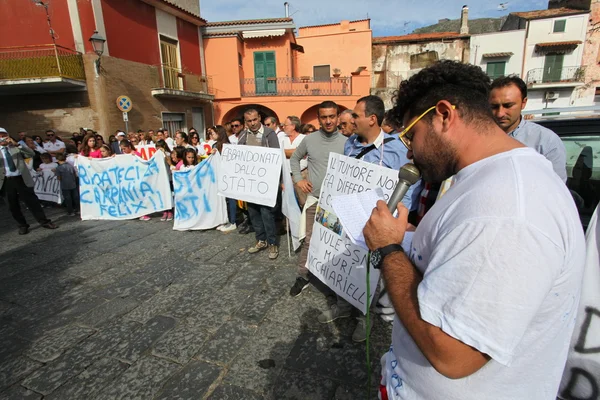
<point>47,186</point>
<point>197,203</point>
<point>581,378</point>
<point>250,173</point>
<point>123,187</point>
<point>146,150</point>
<point>332,257</point>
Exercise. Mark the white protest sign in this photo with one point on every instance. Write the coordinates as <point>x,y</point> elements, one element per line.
<point>332,257</point>
<point>123,187</point>
<point>47,186</point>
<point>250,173</point>
<point>197,203</point>
<point>146,150</point>
<point>289,205</point>
<point>581,378</point>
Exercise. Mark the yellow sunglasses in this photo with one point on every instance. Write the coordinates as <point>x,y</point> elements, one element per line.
<point>404,138</point>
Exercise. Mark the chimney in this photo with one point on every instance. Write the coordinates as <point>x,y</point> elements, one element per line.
<point>464,21</point>
<point>287,9</point>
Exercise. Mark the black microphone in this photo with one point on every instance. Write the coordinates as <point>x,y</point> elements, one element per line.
<point>408,175</point>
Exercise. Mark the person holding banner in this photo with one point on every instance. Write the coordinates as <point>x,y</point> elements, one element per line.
<point>374,146</point>
<point>262,217</point>
<point>16,183</point>
<point>316,149</point>
<point>487,293</point>
<point>89,148</point>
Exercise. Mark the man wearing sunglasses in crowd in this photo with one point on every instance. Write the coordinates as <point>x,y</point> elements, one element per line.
<point>53,145</point>
<point>237,125</point>
<point>487,293</point>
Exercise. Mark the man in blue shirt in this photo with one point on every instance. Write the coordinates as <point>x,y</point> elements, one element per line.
<point>508,98</point>
<point>372,145</point>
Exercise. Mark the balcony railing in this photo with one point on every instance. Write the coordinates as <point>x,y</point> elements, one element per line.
<point>303,86</point>
<point>177,79</point>
<point>557,75</point>
<point>45,61</point>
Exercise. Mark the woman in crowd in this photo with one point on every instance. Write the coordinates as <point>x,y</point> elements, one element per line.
<point>128,148</point>
<point>88,148</point>
<point>209,134</point>
<point>106,151</point>
<point>39,141</point>
<point>177,158</point>
<point>219,136</point>
<point>161,145</point>
<point>308,129</point>
<point>99,141</point>
<point>195,141</point>
<point>147,139</point>
<point>112,139</point>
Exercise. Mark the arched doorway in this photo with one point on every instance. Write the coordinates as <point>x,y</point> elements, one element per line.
<point>238,112</point>
<point>311,115</point>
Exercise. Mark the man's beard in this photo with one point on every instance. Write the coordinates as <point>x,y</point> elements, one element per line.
<point>438,162</point>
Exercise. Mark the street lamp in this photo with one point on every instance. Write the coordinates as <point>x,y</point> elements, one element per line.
<point>98,44</point>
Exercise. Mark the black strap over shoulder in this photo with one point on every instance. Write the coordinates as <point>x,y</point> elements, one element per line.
<point>369,148</point>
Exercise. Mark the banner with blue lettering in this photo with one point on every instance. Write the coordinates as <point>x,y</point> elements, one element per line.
<point>123,187</point>
<point>250,173</point>
<point>197,203</point>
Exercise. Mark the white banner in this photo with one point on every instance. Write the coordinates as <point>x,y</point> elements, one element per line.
<point>581,379</point>
<point>47,186</point>
<point>250,173</point>
<point>332,257</point>
<point>197,203</point>
<point>289,205</point>
<point>123,187</point>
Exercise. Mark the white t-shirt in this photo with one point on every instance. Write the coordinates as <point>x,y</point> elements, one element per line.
<point>170,142</point>
<point>57,145</point>
<point>502,255</point>
<point>233,139</point>
<point>49,166</point>
<point>288,144</point>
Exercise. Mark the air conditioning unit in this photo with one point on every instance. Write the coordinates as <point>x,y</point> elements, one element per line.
<point>551,95</point>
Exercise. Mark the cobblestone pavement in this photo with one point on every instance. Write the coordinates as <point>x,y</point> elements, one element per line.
<point>135,310</point>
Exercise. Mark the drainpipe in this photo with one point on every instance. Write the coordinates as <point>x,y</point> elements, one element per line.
<point>287,9</point>
<point>525,53</point>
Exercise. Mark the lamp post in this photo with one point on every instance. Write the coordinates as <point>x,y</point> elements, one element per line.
<point>98,44</point>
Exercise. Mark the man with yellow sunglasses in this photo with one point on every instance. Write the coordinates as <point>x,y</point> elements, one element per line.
<point>486,295</point>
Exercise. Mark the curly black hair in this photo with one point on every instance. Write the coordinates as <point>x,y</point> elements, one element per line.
<point>465,86</point>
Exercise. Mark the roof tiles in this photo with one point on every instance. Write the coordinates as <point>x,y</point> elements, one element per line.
<point>418,37</point>
<point>554,12</point>
<point>249,22</point>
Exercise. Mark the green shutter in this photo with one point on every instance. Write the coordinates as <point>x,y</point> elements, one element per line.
<point>553,67</point>
<point>264,68</point>
<point>496,69</point>
<point>560,25</point>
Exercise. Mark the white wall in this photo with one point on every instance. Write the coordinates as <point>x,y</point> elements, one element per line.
<point>540,31</point>
<point>536,99</point>
<point>499,42</point>
<point>166,24</point>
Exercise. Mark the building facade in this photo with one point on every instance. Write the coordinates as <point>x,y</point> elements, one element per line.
<point>153,54</point>
<point>263,64</point>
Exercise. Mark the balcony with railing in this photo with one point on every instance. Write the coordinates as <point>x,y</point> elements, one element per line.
<point>42,68</point>
<point>566,76</point>
<point>176,83</point>
<point>302,86</point>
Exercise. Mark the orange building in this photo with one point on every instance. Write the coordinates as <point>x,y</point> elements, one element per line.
<point>262,64</point>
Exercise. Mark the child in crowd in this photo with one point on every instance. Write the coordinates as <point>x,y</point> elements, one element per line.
<point>177,158</point>
<point>127,147</point>
<point>89,147</point>
<point>68,184</point>
<point>190,159</point>
<point>47,163</point>
<point>106,151</point>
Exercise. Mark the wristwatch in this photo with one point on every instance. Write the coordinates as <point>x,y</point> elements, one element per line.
<point>378,255</point>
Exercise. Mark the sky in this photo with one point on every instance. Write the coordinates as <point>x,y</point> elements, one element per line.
<point>388,17</point>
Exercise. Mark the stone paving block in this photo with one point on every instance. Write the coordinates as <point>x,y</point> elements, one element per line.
<point>159,303</point>
<point>190,301</point>
<point>191,382</point>
<point>93,266</point>
<point>220,277</point>
<point>141,292</point>
<point>293,385</point>
<point>75,360</point>
<point>90,381</point>
<point>260,302</point>
<point>141,381</point>
<point>223,346</point>
<point>50,347</point>
<point>218,309</point>
<point>13,370</point>
<point>351,392</point>
<point>12,345</point>
<point>249,277</point>
<point>181,344</point>
<point>229,392</point>
<point>261,359</point>
<point>317,354</point>
<point>108,311</point>
<point>18,392</point>
<point>143,340</point>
